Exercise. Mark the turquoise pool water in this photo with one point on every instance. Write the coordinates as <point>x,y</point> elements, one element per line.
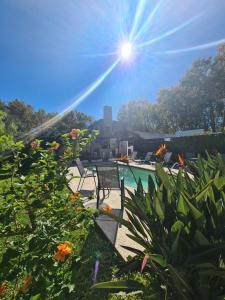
<point>129,180</point>
<point>128,174</point>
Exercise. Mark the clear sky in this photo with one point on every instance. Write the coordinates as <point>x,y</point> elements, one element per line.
<point>52,50</point>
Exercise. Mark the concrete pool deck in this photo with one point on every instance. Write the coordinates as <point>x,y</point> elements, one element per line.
<point>117,235</point>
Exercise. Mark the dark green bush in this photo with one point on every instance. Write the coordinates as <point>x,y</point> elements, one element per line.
<point>198,144</point>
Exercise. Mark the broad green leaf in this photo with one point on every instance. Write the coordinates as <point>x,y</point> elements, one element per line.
<point>163,176</point>
<point>179,281</point>
<point>194,211</point>
<point>200,238</point>
<point>119,285</point>
<point>159,259</point>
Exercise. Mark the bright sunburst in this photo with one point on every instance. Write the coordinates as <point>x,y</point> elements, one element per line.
<point>126,51</point>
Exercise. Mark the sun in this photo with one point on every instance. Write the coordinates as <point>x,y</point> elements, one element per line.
<point>126,51</point>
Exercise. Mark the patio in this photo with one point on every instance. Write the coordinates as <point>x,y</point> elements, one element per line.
<point>116,234</point>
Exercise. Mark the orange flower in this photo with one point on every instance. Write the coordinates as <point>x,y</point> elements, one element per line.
<point>63,250</point>
<point>74,197</point>
<point>54,146</point>
<point>35,144</point>
<point>74,133</point>
<point>26,283</point>
<point>181,159</point>
<point>2,288</point>
<point>123,159</point>
<point>79,208</point>
<point>107,208</point>
<point>161,151</point>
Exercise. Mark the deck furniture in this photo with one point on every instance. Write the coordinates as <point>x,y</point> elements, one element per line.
<point>166,159</point>
<point>108,179</point>
<point>133,156</point>
<point>146,160</point>
<point>84,173</point>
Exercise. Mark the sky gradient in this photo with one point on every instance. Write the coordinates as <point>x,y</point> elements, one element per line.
<point>52,50</point>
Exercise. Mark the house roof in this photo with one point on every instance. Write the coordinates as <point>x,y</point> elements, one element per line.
<point>151,135</point>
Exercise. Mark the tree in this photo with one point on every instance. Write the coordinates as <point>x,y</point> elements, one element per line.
<point>197,101</point>
<point>26,118</point>
<point>139,115</point>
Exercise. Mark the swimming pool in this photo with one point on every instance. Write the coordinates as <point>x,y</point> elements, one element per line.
<point>126,172</point>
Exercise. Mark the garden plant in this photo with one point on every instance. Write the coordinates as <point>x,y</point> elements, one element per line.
<point>48,241</point>
<point>180,225</point>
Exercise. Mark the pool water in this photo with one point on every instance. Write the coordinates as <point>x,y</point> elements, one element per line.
<point>129,172</point>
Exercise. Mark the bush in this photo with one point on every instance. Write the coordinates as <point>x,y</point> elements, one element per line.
<point>180,224</point>
<point>43,224</point>
<point>198,144</point>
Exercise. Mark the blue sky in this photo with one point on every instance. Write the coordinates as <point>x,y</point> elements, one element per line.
<point>51,50</point>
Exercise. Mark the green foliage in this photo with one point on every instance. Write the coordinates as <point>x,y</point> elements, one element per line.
<point>7,132</point>
<point>38,212</point>
<point>195,102</point>
<point>26,118</point>
<point>180,225</point>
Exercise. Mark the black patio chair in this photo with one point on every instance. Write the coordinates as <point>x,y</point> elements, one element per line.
<point>84,173</point>
<point>108,179</point>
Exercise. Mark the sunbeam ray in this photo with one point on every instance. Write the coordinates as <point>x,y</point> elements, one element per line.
<point>146,24</point>
<point>195,48</point>
<point>138,14</point>
<point>76,101</point>
<point>170,32</point>
<point>100,54</point>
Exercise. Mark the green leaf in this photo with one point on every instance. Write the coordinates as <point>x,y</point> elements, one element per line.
<point>36,297</point>
<point>163,176</point>
<point>159,259</point>
<point>9,254</point>
<point>119,285</point>
<point>194,211</point>
<point>179,281</point>
<point>178,225</point>
<point>201,239</point>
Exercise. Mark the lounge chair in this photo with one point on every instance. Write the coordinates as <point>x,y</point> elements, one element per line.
<point>84,173</point>
<point>146,160</point>
<point>108,179</point>
<point>133,156</point>
<point>166,159</point>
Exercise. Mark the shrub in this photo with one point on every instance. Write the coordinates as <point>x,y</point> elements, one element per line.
<point>180,225</point>
<point>42,222</point>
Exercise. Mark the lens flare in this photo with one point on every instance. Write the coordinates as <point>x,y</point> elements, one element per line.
<point>126,51</point>
<point>195,48</point>
<point>137,18</point>
<point>168,33</point>
<point>147,23</point>
<point>76,101</point>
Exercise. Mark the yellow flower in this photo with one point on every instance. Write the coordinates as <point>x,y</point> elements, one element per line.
<point>26,283</point>
<point>74,133</point>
